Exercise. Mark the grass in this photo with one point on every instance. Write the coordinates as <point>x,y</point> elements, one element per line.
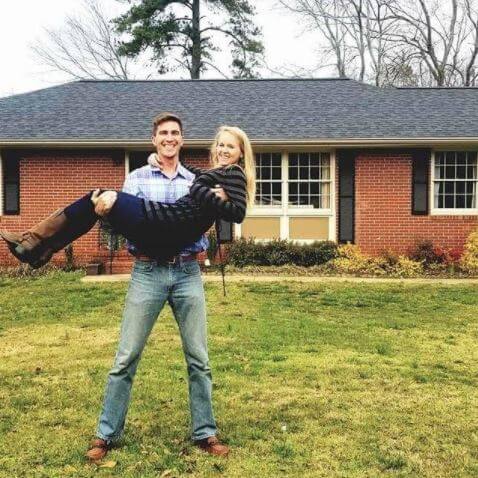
<point>340,379</point>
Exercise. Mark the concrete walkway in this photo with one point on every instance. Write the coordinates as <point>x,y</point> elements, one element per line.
<point>321,279</point>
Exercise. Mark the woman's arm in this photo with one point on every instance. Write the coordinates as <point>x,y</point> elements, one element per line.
<point>193,169</point>
<point>233,181</point>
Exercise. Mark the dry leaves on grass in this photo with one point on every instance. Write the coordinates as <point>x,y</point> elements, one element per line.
<point>107,464</point>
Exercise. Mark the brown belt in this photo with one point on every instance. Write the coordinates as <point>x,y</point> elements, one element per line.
<point>171,260</point>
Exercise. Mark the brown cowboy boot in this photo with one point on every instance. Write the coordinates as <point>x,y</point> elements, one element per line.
<point>33,246</point>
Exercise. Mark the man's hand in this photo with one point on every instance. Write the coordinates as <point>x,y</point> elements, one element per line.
<point>103,202</point>
<point>220,193</point>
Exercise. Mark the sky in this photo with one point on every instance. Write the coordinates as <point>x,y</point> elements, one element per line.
<point>22,23</point>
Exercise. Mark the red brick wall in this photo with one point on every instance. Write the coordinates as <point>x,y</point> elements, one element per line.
<point>383,219</point>
<point>52,180</point>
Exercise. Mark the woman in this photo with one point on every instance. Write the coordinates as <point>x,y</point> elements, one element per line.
<point>158,230</point>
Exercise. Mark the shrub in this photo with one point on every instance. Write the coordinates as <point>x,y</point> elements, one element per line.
<point>405,267</point>
<point>426,253</point>
<point>351,260</point>
<point>469,260</point>
<point>244,252</point>
<point>430,255</point>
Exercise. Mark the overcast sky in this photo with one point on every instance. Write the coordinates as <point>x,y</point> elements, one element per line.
<point>22,23</point>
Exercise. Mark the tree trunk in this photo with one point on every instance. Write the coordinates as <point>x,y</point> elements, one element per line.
<point>196,39</point>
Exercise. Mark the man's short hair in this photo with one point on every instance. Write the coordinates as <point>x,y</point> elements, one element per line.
<point>166,116</point>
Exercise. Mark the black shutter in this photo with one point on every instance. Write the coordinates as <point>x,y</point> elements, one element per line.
<point>224,230</point>
<point>138,159</point>
<point>346,161</point>
<point>11,183</point>
<point>420,181</point>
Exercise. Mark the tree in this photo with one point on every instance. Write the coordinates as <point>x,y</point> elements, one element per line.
<point>180,36</point>
<point>85,48</point>
<point>398,42</point>
<point>353,31</point>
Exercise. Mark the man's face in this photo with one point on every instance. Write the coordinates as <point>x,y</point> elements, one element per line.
<point>168,139</point>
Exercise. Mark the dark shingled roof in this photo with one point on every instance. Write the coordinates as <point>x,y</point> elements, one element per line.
<point>266,109</point>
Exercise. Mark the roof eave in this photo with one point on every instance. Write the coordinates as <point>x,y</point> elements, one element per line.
<point>204,143</point>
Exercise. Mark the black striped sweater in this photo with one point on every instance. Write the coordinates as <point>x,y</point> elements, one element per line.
<point>201,202</point>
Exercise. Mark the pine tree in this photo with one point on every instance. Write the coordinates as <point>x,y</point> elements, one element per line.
<point>184,34</point>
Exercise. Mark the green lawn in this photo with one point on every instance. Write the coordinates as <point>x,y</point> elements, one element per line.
<point>346,380</point>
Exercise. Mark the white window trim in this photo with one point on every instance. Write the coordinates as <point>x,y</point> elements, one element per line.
<point>126,164</point>
<point>284,211</point>
<point>431,195</point>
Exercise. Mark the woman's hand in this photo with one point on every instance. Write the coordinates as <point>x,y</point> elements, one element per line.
<point>220,193</point>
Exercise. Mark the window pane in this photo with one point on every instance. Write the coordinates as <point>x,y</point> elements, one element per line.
<point>276,159</point>
<point>314,188</point>
<point>449,187</point>
<point>293,172</point>
<point>449,201</point>
<point>460,201</point>
<point>450,171</point>
<point>277,190</point>
<point>471,171</point>
<point>276,173</point>
<point>439,171</point>
<point>315,159</point>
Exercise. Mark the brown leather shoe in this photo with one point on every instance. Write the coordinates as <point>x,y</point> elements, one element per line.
<point>213,446</point>
<point>98,450</point>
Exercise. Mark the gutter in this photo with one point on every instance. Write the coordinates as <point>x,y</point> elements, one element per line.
<point>283,143</point>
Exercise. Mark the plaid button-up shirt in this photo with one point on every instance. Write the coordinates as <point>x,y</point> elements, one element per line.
<point>150,183</point>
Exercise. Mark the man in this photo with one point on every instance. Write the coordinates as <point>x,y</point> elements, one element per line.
<point>153,282</point>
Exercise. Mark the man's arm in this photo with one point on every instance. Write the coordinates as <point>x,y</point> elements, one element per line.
<point>105,201</point>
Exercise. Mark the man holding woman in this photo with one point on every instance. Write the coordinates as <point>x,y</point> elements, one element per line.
<point>164,211</point>
<point>177,281</point>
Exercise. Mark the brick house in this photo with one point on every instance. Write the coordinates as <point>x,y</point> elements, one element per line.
<point>336,159</point>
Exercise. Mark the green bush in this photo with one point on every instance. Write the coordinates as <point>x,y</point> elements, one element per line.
<point>247,252</point>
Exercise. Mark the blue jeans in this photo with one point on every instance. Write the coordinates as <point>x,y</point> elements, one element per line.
<point>151,285</point>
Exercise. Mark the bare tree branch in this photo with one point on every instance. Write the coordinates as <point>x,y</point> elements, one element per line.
<point>85,48</point>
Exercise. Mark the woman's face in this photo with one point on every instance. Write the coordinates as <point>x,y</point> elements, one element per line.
<point>228,149</point>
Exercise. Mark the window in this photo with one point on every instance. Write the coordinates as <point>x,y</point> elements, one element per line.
<point>455,180</point>
<point>309,180</point>
<point>269,179</point>
<point>11,184</point>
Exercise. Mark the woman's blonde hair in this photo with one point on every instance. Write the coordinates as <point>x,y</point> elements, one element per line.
<point>247,161</point>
